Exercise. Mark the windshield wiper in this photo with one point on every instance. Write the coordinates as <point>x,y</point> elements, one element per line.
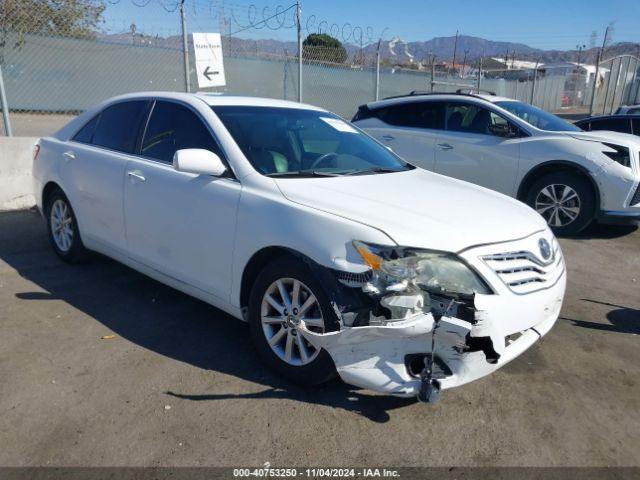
<point>304,173</point>
<point>377,170</point>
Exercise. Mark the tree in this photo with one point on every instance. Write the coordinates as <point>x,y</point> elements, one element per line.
<point>60,18</point>
<point>323,48</point>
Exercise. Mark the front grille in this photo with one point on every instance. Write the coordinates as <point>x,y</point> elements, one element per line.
<point>525,272</point>
<point>636,196</point>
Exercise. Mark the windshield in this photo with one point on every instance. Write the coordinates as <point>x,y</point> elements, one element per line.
<point>537,117</point>
<point>290,142</point>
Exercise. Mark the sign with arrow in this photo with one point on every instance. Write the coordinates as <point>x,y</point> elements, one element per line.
<point>209,64</point>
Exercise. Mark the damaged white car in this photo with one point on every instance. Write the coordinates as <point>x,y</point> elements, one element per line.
<point>340,255</point>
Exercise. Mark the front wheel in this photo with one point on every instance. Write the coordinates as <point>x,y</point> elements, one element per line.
<point>285,297</point>
<point>565,200</point>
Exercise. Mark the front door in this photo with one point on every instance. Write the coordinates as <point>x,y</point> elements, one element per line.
<point>473,148</point>
<point>180,224</point>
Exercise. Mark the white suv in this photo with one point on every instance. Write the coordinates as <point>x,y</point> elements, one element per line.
<point>339,254</point>
<point>569,176</point>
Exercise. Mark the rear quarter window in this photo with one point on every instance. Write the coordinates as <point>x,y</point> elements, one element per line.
<point>118,126</point>
<point>85,134</point>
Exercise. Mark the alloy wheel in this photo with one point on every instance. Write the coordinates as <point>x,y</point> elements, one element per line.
<point>558,204</point>
<point>61,225</point>
<point>287,305</point>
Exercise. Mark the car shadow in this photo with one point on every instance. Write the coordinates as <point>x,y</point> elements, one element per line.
<point>605,231</point>
<point>163,320</point>
<point>621,319</point>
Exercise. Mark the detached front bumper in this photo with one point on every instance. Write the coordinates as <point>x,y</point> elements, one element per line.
<point>378,357</point>
<point>469,341</point>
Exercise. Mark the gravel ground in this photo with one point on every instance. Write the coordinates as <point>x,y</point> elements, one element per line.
<point>179,383</point>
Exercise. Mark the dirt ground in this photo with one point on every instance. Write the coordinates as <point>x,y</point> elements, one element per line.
<point>179,383</point>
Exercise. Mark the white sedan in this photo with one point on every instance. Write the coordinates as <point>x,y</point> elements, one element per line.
<point>341,256</point>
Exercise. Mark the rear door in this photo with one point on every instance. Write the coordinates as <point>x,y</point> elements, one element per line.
<point>470,149</point>
<point>95,161</point>
<point>178,223</point>
<point>412,130</point>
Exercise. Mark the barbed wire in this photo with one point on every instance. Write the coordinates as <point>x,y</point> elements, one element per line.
<point>269,17</point>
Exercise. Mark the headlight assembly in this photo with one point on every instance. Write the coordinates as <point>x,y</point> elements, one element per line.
<point>435,272</point>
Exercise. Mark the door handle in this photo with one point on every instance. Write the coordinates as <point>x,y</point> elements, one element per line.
<point>445,146</point>
<point>136,174</point>
<point>388,138</point>
<point>69,155</point>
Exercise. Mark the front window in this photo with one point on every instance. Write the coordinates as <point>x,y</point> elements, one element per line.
<point>290,142</point>
<point>537,117</point>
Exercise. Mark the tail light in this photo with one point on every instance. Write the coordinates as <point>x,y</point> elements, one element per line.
<point>36,151</point>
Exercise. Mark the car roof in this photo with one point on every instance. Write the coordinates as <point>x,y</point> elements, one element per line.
<point>218,99</point>
<point>434,97</point>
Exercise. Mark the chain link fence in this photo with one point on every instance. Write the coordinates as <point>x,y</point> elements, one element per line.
<point>51,74</point>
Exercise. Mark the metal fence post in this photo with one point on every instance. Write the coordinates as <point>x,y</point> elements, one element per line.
<point>5,106</point>
<point>185,49</point>
<point>595,84</point>
<point>533,84</point>
<point>479,74</point>
<point>615,85</point>
<point>633,79</point>
<point>378,70</point>
<point>299,25</point>
<point>433,73</point>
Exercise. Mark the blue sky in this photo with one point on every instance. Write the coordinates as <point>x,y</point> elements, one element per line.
<point>546,24</point>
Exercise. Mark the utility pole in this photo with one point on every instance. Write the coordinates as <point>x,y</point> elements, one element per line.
<point>479,73</point>
<point>185,49</point>
<point>595,78</point>
<point>464,63</point>
<point>299,25</point>
<point>580,48</point>
<point>455,49</point>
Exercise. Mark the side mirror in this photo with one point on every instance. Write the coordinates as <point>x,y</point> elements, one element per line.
<point>199,161</point>
<point>504,130</point>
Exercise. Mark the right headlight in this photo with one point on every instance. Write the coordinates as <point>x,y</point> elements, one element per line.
<point>436,272</point>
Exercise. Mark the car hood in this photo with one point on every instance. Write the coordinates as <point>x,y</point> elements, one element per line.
<point>607,136</point>
<point>417,208</point>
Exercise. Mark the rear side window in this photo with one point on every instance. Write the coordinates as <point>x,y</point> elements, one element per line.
<point>633,111</point>
<point>622,125</point>
<point>174,127</point>
<point>414,114</point>
<point>118,126</point>
<point>85,134</point>
<point>636,126</point>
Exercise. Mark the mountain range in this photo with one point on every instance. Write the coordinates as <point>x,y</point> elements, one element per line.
<point>403,53</point>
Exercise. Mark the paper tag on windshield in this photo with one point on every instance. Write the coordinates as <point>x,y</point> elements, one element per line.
<point>339,125</point>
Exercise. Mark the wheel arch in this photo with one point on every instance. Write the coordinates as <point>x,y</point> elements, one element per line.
<point>257,263</point>
<point>554,166</point>
<point>47,190</point>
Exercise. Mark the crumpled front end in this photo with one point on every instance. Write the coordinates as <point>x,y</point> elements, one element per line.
<point>413,338</point>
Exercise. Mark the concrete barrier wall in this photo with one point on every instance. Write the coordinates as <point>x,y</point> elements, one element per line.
<point>16,158</point>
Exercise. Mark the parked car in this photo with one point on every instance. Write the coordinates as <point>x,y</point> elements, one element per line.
<point>569,176</point>
<point>628,110</point>
<point>340,255</point>
<point>613,123</point>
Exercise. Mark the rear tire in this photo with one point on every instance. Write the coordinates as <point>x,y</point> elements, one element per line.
<point>62,228</point>
<point>565,200</point>
<point>274,329</point>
